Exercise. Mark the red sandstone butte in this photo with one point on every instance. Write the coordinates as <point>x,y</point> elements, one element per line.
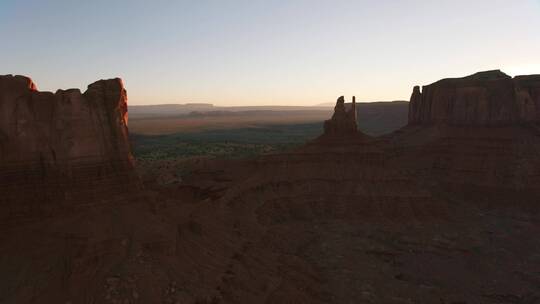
<point>485,99</point>
<point>59,150</point>
<point>476,137</point>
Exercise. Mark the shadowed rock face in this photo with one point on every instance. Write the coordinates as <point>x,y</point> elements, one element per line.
<point>74,221</point>
<point>476,137</point>
<point>344,119</point>
<point>485,98</point>
<point>59,150</point>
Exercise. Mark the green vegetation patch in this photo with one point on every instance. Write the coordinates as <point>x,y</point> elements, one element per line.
<point>227,143</point>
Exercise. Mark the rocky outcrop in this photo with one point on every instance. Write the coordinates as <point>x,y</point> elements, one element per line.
<point>476,137</point>
<point>489,98</point>
<point>64,149</point>
<point>75,225</point>
<point>344,119</point>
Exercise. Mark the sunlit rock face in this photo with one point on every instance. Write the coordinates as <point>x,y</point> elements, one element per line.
<point>489,98</point>
<point>64,149</point>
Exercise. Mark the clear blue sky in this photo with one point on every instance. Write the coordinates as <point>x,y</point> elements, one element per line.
<point>256,52</point>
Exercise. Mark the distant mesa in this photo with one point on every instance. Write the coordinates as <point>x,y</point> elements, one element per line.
<point>344,119</point>
<point>199,104</point>
<point>485,98</point>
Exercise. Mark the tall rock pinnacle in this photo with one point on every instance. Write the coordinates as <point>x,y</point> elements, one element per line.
<point>344,119</point>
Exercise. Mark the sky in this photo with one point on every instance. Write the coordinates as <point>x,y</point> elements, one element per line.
<point>265,52</point>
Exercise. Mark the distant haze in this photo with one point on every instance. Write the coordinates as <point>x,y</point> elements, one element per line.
<point>256,52</point>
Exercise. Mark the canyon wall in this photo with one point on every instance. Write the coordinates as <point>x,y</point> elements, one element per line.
<point>489,98</point>
<point>62,150</point>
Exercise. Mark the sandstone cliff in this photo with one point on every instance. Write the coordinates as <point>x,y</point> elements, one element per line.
<point>476,137</point>
<point>485,98</point>
<point>59,150</point>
